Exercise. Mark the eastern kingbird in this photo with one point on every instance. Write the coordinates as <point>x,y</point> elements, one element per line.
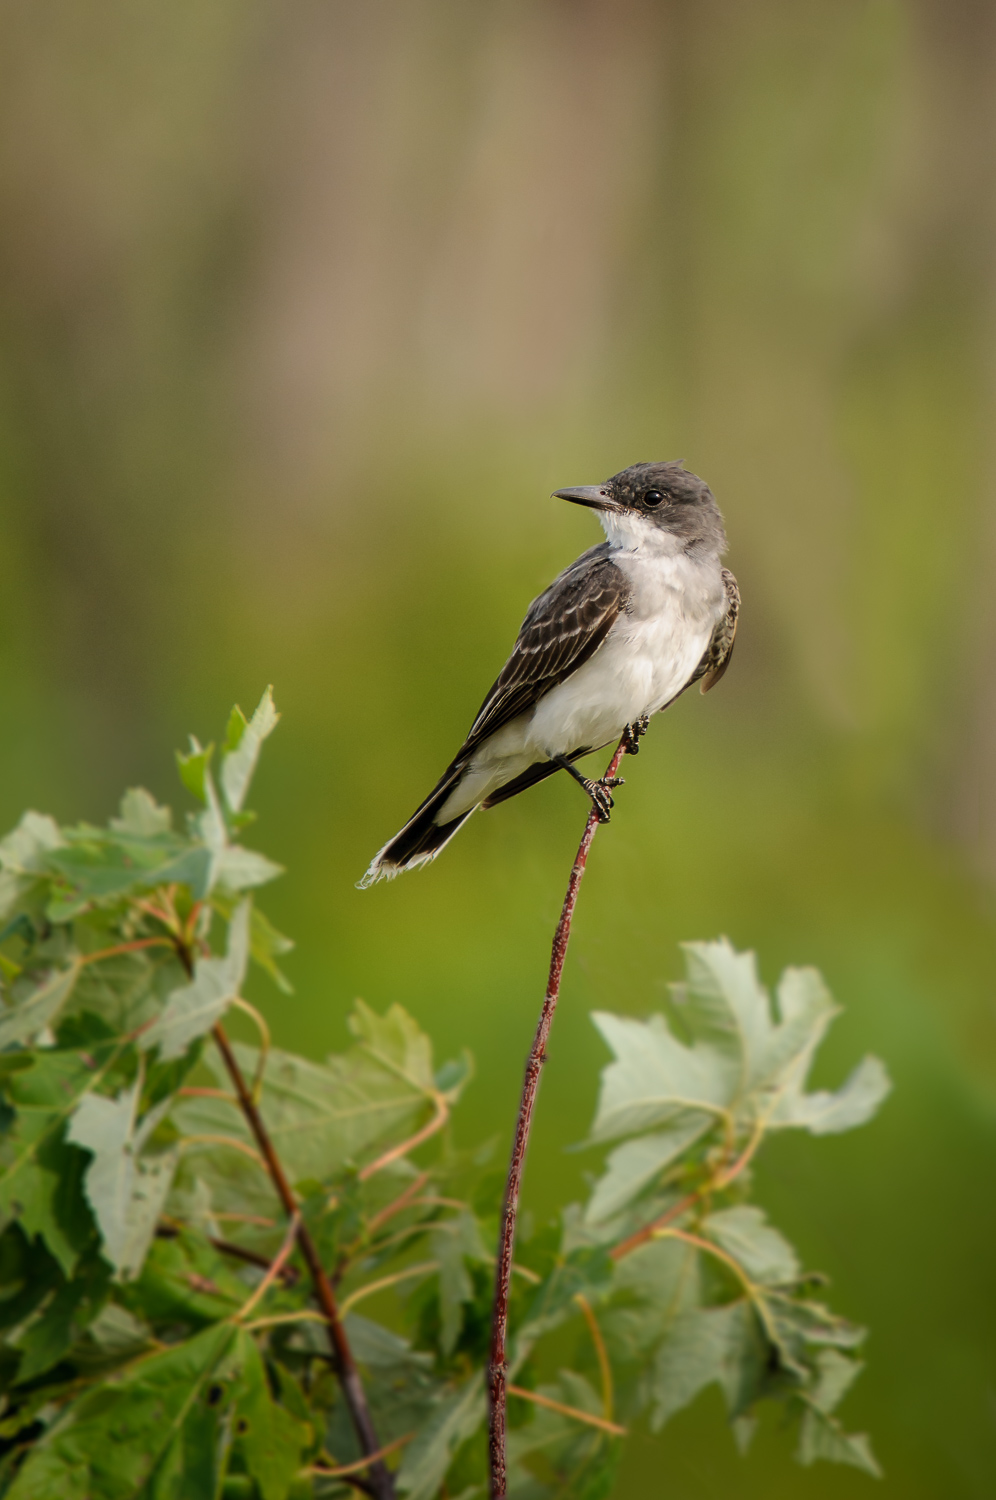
<point>617,637</point>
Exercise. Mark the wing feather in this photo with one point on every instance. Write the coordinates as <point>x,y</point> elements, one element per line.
<point>717,655</point>
<point>562,629</point>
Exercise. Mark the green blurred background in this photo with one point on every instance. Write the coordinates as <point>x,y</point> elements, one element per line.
<point>305,308</point>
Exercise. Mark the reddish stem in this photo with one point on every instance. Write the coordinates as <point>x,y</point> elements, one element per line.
<point>497,1368</point>
<point>381,1480</point>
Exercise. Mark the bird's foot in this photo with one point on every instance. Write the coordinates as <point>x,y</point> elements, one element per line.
<point>601,795</point>
<point>633,733</point>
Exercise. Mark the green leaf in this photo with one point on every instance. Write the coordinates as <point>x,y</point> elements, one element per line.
<point>835,1374</point>
<point>630,1168</point>
<point>24,1021</point>
<point>266,945</point>
<point>49,1336</point>
<point>184,1281</point>
<point>823,1437</point>
<point>581,1460</point>
<point>655,1080</point>
<point>142,815</point>
<point>427,1458</point>
<point>586,1270</point>
<point>271,1439</point>
<point>823,1113</point>
<point>239,763</point>
<point>322,1117</point>
<point>239,869</point>
<point>744,1232</point>
<point>23,850</point>
<point>452,1242</point>
<point>193,768</point>
<point>41,1173</point>
<point>126,1190</point>
<point>192,1010</point>
<point>707,1344</point>
<point>235,729</point>
<point>397,1042</point>
<point>152,1432</point>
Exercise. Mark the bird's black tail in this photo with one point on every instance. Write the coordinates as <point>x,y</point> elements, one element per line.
<point>421,838</point>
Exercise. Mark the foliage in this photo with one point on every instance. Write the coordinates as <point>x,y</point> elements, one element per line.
<point>159,1331</point>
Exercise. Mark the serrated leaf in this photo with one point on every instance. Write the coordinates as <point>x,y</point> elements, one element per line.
<point>707,1344</point>
<point>428,1457</point>
<point>823,1113</point>
<point>161,1408</point>
<point>141,814</point>
<point>41,1174</point>
<point>630,1168</point>
<point>23,850</point>
<point>235,729</point>
<point>184,1281</point>
<point>320,1117</point>
<point>20,1023</point>
<point>582,1459</point>
<point>193,1009</point>
<point>587,1271</point>
<point>239,764</point>
<point>835,1374</point>
<point>271,1439</point>
<point>452,1242</point>
<point>193,768</point>
<point>654,1079</point>
<point>125,1190</point>
<point>397,1042</point>
<point>47,1337</point>
<point>744,1232</point>
<point>241,869</point>
<point>823,1437</point>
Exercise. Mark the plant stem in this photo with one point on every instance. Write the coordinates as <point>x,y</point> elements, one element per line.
<point>497,1368</point>
<point>381,1479</point>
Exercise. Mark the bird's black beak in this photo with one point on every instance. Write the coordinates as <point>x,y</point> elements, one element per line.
<point>595,496</point>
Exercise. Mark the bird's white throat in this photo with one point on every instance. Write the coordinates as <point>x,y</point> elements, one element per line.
<point>632,532</point>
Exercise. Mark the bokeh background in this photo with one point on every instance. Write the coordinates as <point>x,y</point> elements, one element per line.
<point>306,307</point>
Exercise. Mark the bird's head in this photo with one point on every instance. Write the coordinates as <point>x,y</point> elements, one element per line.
<point>661,503</point>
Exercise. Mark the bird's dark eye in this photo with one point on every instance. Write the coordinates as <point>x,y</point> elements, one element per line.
<point>654,497</point>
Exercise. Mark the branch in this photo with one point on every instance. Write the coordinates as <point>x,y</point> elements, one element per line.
<point>381,1479</point>
<point>497,1368</point>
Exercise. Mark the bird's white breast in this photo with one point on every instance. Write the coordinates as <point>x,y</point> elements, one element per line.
<point>647,657</point>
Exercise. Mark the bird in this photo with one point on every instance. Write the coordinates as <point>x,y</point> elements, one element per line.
<point>615,639</point>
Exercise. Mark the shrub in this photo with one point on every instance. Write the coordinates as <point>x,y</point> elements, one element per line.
<point>228,1270</point>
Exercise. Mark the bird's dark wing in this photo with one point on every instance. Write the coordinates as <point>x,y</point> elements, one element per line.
<point>717,655</point>
<point>564,627</point>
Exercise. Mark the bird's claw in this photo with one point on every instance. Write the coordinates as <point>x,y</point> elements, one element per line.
<point>601,796</point>
<point>633,733</point>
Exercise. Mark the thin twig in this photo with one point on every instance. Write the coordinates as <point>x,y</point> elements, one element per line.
<point>341,1470</point>
<point>497,1368</point>
<point>195,1091</point>
<point>715,1184</point>
<point>436,1123</point>
<point>273,1270</point>
<point>604,1367</point>
<point>422,1269</point>
<point>265,1042</point>
<point>396,1205</point>
<point>303,1315</point>
<point>381,1478</point>
<point>139,943</point>
<point>649,1231</point>
<point>567,1411</point>
<point>223,1140</point>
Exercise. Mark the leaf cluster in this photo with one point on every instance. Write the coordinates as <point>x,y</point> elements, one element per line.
<point>159,1331</point>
